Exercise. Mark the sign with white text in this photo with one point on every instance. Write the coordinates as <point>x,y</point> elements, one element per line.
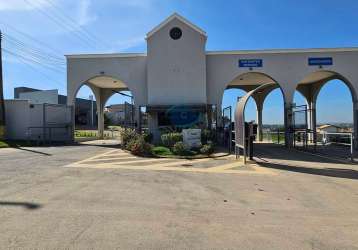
<point>250,63</point>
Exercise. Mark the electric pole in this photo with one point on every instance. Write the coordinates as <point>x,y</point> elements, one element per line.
<point>2,102</point>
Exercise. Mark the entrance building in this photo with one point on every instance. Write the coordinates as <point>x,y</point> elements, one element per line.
<point>178,79</point>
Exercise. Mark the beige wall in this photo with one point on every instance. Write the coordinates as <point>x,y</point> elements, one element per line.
<point>176,68</point>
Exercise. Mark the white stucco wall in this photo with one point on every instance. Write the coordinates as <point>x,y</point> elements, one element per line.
<point>176,68</point>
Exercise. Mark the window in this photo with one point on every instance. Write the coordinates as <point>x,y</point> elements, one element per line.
<point>175,33</point>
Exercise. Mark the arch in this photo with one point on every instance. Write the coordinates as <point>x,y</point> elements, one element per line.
<point>231,95</point>
<point>250,80</point>
<point>240,130</point>
<point>317,79</point>
<point>98,82</point>
<point>85,110</point>
<point>103,86</point>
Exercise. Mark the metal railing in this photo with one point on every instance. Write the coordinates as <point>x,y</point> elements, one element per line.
<point>335,144</point>
<point>274,136</point>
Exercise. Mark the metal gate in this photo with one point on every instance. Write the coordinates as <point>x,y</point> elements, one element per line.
<point>57,124</point>
<point>303,136</point>
<point>227,128</point>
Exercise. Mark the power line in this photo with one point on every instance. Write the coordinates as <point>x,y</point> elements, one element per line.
<point>31,60</point>
<point>85,31</point>
<point>33,51</point>
<point>34,69</point>
<point>60,23</point>
<point>30,37</point>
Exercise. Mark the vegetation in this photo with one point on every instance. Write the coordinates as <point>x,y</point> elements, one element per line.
<point>85,134</point>
<point>170,139</point>
<point>140,147</point>
<point>135,142</point>
<point>207,136</point>
<point>207,149</point>
<point>172,144</point>
<point>180,149</point>
<point>162,151</point>
<point>4,144</point>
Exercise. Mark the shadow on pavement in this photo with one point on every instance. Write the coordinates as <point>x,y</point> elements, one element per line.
<point>278,157</point>
<point>33,151</point>
<point>27,205</point>
<point>331,172</point>
<point>280,152</point>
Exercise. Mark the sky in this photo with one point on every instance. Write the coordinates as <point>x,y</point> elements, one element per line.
<point>59,27</point>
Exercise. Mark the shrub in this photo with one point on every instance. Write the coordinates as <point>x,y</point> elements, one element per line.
<point>161,151</point>
<point>207,149</point>
<point>180,149</point>
<point>148,137</point>
<point>127,136</point>
<point>170,139</point>
<point>140,147</point>
<point>207,136</point>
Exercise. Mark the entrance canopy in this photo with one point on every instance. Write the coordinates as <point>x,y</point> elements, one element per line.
<point>107,82</point>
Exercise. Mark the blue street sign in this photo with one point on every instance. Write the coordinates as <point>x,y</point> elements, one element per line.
<point>250,63</point>
<point>319,61</point>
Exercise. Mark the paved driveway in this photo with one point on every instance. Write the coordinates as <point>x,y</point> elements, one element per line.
<point>291,201</point>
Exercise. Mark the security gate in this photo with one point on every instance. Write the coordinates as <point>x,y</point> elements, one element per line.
<point>303,136</point>
<point>227,128</point>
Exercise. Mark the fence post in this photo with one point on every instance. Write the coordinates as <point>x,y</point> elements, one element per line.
<point>352,147</point>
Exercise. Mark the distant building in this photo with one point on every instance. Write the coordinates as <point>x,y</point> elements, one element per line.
<point>120,114</point>
<point>83,107</point>
<point>328,128</point>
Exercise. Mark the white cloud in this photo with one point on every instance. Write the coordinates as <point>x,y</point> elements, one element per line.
<point>22,5</point>
<point>84,15</point>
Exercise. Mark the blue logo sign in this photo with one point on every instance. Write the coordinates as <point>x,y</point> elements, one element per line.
<point>250,63</point>
<point>319,61</point>
<point>182,116</point>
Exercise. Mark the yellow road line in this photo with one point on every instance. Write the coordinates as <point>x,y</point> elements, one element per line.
<point>110,159</point>
<point>96,156</point>
<point>165,166</point>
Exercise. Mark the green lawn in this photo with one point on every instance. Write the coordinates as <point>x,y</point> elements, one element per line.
<point>3,144</point>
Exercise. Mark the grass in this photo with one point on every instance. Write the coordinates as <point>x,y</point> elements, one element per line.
<point>4,144</point>
<point>85,134</point>
<point>161,151</point>
<point>15,144</point>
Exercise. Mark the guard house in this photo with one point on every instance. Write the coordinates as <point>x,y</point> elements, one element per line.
<point>179,75</point>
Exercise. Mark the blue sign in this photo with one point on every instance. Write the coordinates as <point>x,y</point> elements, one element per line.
<point>319,61</point>
<point>250,63</point>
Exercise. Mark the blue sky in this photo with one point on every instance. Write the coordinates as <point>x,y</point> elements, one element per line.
<point>121,25</point>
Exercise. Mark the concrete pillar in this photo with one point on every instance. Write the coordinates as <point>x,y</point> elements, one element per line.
<point>355,126</point>
<point>259,124</point>
<point>288,120</point>
<point>100,117</point>
<point>100,99</point>
<point>312,121</point>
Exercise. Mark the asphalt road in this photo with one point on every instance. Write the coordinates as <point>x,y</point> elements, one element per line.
<point>306,204</point>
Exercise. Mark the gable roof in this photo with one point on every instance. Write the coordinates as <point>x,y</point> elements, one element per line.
<point>327,126</point>
<point>180,18</point>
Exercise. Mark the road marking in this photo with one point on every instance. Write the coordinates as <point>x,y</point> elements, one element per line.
<point>165,164</point>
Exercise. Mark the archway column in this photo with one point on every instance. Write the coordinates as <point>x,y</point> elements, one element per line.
<point>312,121</point>
<point>355,127</point>
<point>288,120</point>
<point>259,124</point>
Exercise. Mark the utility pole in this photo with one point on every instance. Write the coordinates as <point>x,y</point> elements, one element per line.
<point>2,103</point>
